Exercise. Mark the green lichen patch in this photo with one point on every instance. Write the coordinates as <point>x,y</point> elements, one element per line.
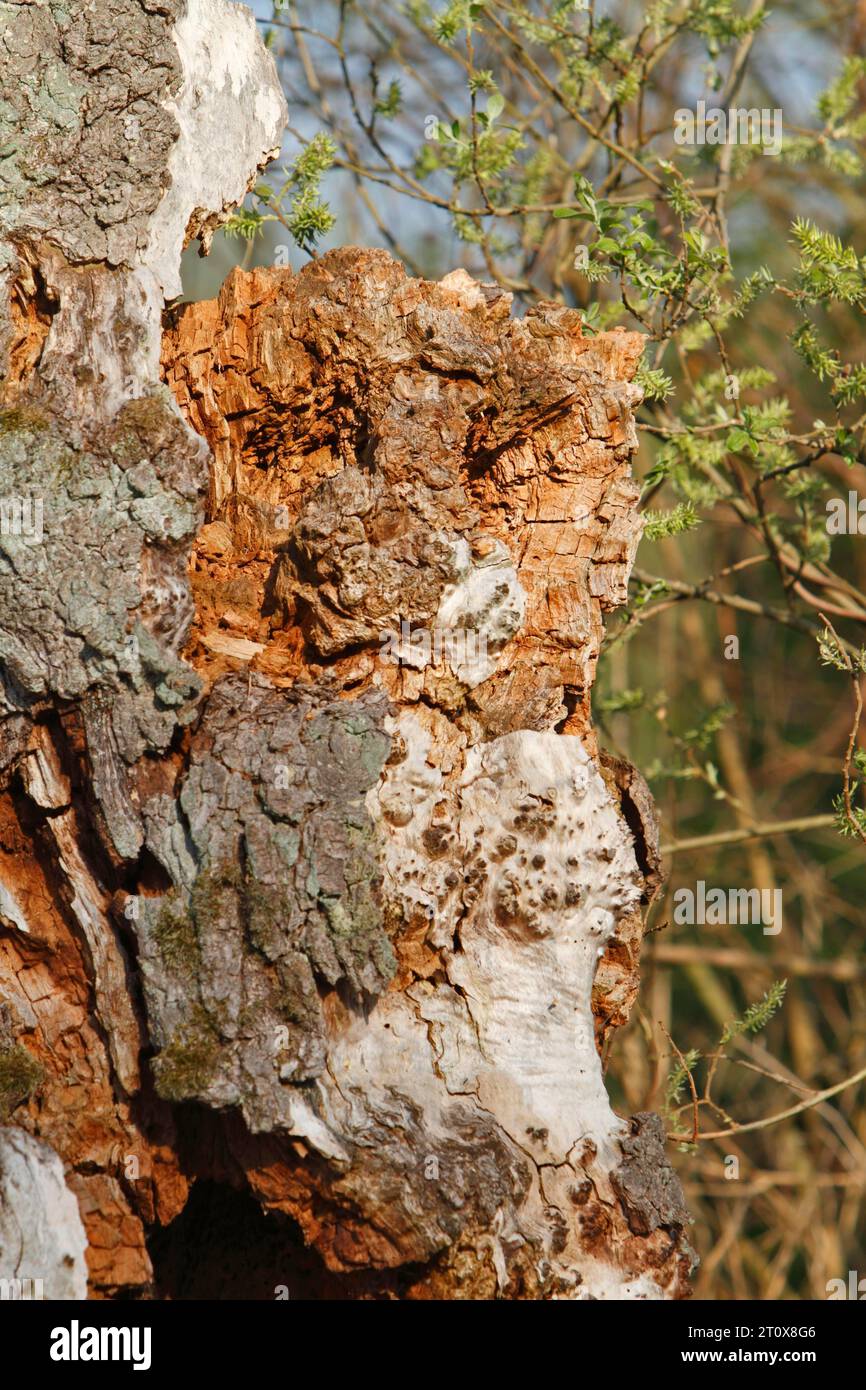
<point>179,930</point>
<point>176,936</point>
<point>277,894</point>
<point>187,1066</point>
<point>22,420</point>
<point>214,893</point>
<point>20,1075</point>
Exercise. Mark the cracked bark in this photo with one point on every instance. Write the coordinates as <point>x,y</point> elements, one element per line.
<point>313,880</point>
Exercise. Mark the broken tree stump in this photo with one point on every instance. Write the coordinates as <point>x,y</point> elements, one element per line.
<point>314,883</point>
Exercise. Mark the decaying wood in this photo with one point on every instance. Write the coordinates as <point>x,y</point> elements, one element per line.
<point>313,880</point>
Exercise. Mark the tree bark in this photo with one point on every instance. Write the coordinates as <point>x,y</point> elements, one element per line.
<point>314,884</point>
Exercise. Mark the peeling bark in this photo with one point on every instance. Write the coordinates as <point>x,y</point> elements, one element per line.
<point>96,199</point>
<point>300,890</point>
<point>42,1239</point>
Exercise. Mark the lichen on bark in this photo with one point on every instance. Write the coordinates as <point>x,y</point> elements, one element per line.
<point>102,487</point>
<point>276,893</point>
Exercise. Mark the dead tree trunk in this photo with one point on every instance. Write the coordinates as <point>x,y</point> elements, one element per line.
<point>313,882</point>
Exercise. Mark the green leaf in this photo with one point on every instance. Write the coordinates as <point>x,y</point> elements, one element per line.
<point>495,105</point>
<point>738,440</point>
<point>659,525</point>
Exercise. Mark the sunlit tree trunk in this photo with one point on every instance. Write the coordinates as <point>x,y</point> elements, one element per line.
<point>313,882</point>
